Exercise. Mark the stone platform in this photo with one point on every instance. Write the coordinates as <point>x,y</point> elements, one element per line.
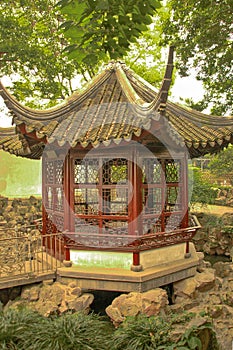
<point>156,272</point>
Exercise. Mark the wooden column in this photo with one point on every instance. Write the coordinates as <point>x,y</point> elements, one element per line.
<point>135,205</point>
<point>67,193</point>
<point>68,197</point>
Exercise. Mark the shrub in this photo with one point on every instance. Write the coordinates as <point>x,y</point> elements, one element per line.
<point>13,326</point>
<point>155,333</point>
<point>24,329</point>
<point>71,331</point>
<point>201,190</point>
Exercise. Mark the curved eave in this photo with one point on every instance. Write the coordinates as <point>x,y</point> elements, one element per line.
<point>10,131</point>
<point>48,115</point>
<point>200,138</point>
<point>200,118</point>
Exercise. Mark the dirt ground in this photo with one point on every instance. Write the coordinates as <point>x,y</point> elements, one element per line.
<point>212,209</point>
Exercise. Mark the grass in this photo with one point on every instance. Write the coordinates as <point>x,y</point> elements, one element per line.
<point>22,329</point>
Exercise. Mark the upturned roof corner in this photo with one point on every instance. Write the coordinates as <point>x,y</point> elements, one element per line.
<point>117,105</point>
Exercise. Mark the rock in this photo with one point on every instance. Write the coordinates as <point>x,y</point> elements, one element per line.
<point>115,315</point>
<point>49,298</point>
<point>30,293</point>
<point>205,280</point>
<point>185,288</point>
<point>153,301</point>
<point>128,304</point>
<point>77,291</point>
<point>23,209</point>
<point>227,219</point>
<point>48,282</point>
<point>223,269</point>
<point>132,304</point>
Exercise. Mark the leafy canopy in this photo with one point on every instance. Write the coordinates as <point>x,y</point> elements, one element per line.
<point>44,46</point>
<point>222,163</point>
<point>202,32</point>
<point>103,29</point>
<point>31,50</point>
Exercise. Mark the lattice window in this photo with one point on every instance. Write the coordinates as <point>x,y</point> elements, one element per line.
<point>59,206</point>
<point>86,201</point>
<point>152,200</point>
<point>151,171</point>
<point>151,225</point>
<point>115,171</point>
<point>115,201</point>
<point>90,225</point>
<point>173,198</point>
<point>58,166</point>
<point>173,222</point>
<point>86,171</point>
<point>172,171</point>
<point>49,171</point>
<point>58,221</point>
<point>49,197</point>
<point>119,227</point>
<point>49,224</point>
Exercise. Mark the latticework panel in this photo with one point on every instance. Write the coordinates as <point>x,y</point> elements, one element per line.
<point>173,222</point>
<point>115,171</point>
<point>58,221</point>
<point>115,201</point>
<point>151,171</point>
<point>86,171</point>
<point>58,167</point>
<point>151,225</point>
<point>89,225</point>
<point>59,202</point>
<point>172,171</point>
<point>49,171</point>
<point>173,199</point>
<point>118,227</point>
<point>152,200</point>
<point>86,201</point>
<point>49,196</point>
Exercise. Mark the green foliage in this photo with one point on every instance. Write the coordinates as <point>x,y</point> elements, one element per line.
<point>201,30</point>
<point>200,190</point>
<point>31,51</point>
<point>221,164</point>
<point>147,333</point>
<point>145,55</point>
<point>71,331</point>
<point>13,326</point>
<point>44,47</point>
<point>24,329</point>
<point>103,29</point>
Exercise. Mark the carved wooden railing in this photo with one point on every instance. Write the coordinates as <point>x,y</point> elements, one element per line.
<point>115,242</point>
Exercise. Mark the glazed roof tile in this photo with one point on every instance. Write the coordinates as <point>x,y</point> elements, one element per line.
<point>117,105</point>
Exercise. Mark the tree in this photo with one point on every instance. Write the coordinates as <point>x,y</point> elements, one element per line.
<point>202,32</point>
<point>222,164</point>
<point>104,29</point>
<point>34,35</point>
<point>31,51</point>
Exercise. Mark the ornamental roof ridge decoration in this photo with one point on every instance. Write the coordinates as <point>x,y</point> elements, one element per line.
<point>114,106</point>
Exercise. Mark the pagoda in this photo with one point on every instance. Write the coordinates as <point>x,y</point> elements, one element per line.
<point>115,172</point>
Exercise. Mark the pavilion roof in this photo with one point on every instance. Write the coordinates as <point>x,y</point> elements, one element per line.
<point>117,105</point>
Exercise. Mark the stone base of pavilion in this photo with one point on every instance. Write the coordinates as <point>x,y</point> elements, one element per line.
<point>160,267</point>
